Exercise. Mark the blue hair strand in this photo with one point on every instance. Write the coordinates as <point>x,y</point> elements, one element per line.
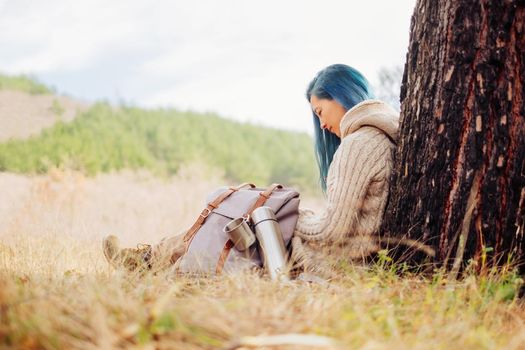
<point>348,87</point>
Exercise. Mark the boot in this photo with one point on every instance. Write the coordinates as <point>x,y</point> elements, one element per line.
<point>129,258</point>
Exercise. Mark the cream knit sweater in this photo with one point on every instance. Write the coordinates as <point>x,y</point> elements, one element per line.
<point>357,185</point>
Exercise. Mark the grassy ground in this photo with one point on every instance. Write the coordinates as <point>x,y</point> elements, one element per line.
<point>57,292</point>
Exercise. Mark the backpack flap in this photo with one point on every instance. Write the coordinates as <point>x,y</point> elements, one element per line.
<point>241,201</point>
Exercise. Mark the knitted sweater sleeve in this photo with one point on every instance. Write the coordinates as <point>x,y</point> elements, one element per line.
<point>358,160</point>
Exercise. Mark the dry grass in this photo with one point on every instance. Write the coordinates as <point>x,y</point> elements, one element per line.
<point>57,292</point>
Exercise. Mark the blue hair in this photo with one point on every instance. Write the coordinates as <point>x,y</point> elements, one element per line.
<point>348,87</point>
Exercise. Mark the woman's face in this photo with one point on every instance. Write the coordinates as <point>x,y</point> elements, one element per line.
<point>329,112</point>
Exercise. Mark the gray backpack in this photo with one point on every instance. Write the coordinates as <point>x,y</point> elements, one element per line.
<point>208,249</point>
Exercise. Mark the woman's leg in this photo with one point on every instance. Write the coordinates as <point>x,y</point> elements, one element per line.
<point>167,251</point>
<point>145,257</point>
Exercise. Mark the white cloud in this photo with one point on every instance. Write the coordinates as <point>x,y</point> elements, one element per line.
<point>241,58</point>
<point>58,35</point>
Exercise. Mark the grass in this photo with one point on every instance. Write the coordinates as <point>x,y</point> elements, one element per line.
<point>57,292</point>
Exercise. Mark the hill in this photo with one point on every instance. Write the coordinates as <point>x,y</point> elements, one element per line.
<point>24,83</point>
<point>105,138</point>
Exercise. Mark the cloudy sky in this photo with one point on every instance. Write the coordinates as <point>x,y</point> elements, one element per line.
<point>247,60</point>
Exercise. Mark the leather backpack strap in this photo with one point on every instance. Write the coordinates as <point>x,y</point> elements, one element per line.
<point>224,256</point>
<point>188,237</point>
<point>263,197</point>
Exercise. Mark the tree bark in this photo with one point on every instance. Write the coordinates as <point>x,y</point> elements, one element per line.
<point>459,178</point>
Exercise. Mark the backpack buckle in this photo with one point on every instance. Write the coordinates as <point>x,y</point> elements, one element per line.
<point>205,213</point>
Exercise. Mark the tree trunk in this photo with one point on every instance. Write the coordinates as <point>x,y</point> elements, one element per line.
<point>459,177</point>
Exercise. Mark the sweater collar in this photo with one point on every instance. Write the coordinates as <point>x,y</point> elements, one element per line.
<point>371,113</point>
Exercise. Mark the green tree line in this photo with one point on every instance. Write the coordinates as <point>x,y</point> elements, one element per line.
<point>106,138</point>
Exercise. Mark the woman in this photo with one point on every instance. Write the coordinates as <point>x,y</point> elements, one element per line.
<point>354,140</point>
<point>354,137</point>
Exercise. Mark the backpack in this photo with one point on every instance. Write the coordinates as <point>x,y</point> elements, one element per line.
<point>208,249</point>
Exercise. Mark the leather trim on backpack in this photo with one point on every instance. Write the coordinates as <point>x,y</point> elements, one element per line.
<point>224,256</point>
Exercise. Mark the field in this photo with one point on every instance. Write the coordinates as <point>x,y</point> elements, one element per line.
<point>57,292</point>
<point>71,173</point>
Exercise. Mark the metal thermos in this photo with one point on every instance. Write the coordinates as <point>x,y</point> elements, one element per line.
<point>271,244</point>
<point>240,233</point>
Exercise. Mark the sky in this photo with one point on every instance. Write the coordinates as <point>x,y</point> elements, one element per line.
<point>242,59</point>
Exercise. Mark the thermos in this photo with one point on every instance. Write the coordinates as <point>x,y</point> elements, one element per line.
<point>271,243</point>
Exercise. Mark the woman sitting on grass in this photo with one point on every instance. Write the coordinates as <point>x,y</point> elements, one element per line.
<point>354,138</point>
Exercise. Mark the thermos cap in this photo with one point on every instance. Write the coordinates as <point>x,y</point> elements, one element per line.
<point>261,214</point>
